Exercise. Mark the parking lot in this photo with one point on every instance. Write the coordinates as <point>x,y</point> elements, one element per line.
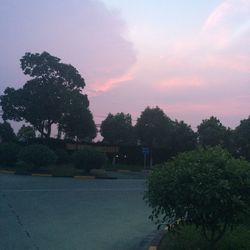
<point>45,213</point>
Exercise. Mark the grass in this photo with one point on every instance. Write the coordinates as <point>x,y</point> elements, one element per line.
<point>65,170</point>
<point>69,169</point>
<point>134,168</point>
<point>56,170</point>
<point>190,239</point>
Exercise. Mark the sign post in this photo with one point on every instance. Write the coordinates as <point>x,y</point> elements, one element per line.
<point>145,152</point>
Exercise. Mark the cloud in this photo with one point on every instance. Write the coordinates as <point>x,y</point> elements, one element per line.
<point>85,34</point>
<point>218,15</point>
<point>220,48</point>
<point>178,82</point>
<point>196,77</point>
<point>110,83</point>
<point>226,10</point>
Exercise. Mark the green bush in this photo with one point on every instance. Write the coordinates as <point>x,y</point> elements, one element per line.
<point>8,153</point>
<point>88,159</point>
<point>62,156</point>
<point>37,156</point>
<point>207,188</point>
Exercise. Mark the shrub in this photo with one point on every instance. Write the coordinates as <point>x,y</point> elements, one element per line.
<point>37,156</point>
<point>207,188</point>
<point>88,159</point>
<point>9,153</point>
<point>62,156</point>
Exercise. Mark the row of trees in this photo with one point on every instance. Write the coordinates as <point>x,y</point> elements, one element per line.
<point>53,97</point>
<point>155,129</point>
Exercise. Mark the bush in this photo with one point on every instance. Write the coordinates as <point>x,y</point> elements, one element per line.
<point>207,188</point>
<point>88,159</point>
<point>37,156</point>
<point>62,156</point>
<point>8,153</point>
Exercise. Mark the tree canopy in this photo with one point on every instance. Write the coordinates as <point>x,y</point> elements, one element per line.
<point>117,129</point>
<point>26,133</point>
<point>47,98</point>
<point>154,128</point>
<point>242,138</point>
<point>184,138</point>
<point>7,133</point>
<point>211,132</point>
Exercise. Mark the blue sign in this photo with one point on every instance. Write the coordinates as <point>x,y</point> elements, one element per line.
<point>145,150</point>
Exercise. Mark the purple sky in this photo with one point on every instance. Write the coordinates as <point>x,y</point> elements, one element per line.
<point>190,58</point>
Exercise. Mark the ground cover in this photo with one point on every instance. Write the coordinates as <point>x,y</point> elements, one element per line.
<point>189,238</point>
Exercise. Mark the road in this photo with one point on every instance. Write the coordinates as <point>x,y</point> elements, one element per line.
<point>45,213</point>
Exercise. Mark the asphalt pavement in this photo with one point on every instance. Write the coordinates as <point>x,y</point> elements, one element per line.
<point>46,213</point>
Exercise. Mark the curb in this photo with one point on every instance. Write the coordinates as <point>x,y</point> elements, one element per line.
<point>7,172</point>
<point>152,241</point>
<point>81,177</point>
<point>106,178</point>
<point>38,174</point>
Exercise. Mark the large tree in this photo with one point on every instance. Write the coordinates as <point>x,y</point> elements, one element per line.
<point>117,129</point>
<point>154,128</point>
<point>47,97</point>
<point>211,132</point>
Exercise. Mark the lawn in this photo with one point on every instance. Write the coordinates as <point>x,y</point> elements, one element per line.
<point>189,238</point>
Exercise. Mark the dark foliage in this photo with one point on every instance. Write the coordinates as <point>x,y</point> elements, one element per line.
<point>118,130</point>
<point>207,188</point>
<point>88,159</point>
<point>7,133</point>
<point>36,156</point>
<point>8,154</point>
<point>62,156</point>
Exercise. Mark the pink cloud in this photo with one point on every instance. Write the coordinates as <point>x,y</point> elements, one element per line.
<point>193,78</point>
<point>235,63</point>
<point>100,87</point>
<point>86,34</point>
<point>180,81</point>
<point>219,107</point>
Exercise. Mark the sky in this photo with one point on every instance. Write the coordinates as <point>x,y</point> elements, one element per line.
<point>190,58</point>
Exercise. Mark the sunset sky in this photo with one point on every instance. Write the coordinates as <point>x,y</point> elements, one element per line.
<point>190,58</point>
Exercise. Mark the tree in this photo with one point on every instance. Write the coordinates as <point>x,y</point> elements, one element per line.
<point>207,188</point>
<point>47,97</point>
<point>184,138</point>
<point>117,129</point>
<point>211,132</point>
<point>79,125</point>
<point>26,133</point>
<point>242,138</point>
<point>154,128</point>
<point>6,132</point>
